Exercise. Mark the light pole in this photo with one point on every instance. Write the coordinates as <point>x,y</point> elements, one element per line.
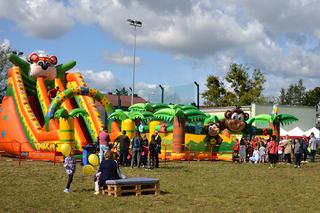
<point>135,24</point>
<point>198,96</point>
<point>162,93</point>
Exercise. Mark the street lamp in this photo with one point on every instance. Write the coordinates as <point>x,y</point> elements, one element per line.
<point>198,96</point>
<point>135,24</point>
<point>162,93</point>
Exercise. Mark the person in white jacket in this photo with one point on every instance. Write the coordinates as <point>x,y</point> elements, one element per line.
<point>313,147</point>
<point>255,156</point>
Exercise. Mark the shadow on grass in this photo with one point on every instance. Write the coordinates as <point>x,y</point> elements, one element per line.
<point>164,192</point>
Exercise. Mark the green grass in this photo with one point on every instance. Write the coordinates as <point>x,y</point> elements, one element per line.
<point>194,187</point>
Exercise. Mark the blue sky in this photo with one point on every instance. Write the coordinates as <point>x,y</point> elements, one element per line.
<point>180,41</point>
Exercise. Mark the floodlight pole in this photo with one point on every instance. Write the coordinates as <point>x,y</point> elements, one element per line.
<point>162,93</point>
<point>198,95</point>
<point>135,24</point>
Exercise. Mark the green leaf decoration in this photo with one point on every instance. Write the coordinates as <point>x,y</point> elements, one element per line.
<point>194,115</point>
<point>136,116</point>
<point>148,116</point>
<point>141,107</point>
<point>157,107</point>
<point>118,115</point>
<point>188,107</point>
<point>78,112</point>
<point>286,119</point>
<point>61,113</point>
<point>166,114</point>
<point>283,119</point>
<point>212,118</point>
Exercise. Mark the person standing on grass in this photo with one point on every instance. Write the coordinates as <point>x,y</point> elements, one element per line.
<point>262,153</point>
<point>242,151</point>
<point>280,153</point>
<point>236,150</point>
<point>104,140</point>
<point>124,141</point>
<point>287,150</point>
<point>158,141</point>
<point>70,166</point>
<point>273,150</point>
<point>152,151</point>
<point>297,153</point>
<point>313,147</point>
<point>145,150</point>
<point>304,146</point>
<point>136,147</point>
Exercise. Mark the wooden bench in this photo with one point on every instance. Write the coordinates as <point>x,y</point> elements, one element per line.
<point>132,186</point>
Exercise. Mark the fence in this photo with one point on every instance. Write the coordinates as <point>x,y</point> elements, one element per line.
<point>17,150</point>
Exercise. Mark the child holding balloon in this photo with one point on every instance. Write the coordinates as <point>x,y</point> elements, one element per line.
<point>70,166</point>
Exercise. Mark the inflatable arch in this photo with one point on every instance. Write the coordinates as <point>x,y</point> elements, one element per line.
<point>71,92</point>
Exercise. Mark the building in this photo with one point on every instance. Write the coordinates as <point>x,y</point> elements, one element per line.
<point>307,115</point>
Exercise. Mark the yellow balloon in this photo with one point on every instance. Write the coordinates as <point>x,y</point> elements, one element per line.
<point>88,170</point>
<point>65,149</point>
<point>93,159</point>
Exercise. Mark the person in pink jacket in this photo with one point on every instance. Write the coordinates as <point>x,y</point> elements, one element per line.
<point>273,151</point>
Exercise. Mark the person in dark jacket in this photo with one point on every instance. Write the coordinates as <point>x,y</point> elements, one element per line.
<point>108,170</point>
<point>152,151</point>
<point>124,147</point>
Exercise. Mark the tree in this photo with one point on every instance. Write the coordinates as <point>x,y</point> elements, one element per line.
<point>216,92</point>
<point>312,97</point>
<point>4,66</point>
<point>294,95</point>
<point>244,89</point>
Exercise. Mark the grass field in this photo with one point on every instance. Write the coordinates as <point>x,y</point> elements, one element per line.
<point>194,187</point>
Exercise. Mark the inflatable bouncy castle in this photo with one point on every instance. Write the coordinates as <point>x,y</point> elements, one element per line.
<point>47,111</point>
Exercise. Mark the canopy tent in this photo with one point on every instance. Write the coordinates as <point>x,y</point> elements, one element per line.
<point>314,130</point>
<point>283,132</point>
<point>295,132</point>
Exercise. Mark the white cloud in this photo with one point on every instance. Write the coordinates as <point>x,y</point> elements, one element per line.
<point>40,18</point>
<point>120,58</point>
<point>104,81</point>
<point>279,37</point>
<point>4,45</point>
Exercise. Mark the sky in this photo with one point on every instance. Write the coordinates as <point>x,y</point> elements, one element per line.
<point>179,42</point>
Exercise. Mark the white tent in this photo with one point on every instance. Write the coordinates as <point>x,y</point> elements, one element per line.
<point>295,132</point>
<point>283,132</point>
<point>314,130</point>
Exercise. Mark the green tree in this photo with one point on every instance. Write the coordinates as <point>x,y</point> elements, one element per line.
<point>247,90</point>
<point>294,95</point>
<point>216,92</point>
<point>312,97</point>
<point>244,89</point>
<point>4,66</point>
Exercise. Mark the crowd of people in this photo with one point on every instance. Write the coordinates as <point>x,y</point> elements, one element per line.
<point>138,152</point>
<point>260,150</point>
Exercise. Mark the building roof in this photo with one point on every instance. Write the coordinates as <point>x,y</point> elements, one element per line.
<point>125,100</point>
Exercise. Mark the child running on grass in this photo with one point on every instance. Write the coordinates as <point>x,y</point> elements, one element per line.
<point>70,166</point>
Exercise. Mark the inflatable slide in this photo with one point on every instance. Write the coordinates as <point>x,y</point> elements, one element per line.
<point>27,114</point>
